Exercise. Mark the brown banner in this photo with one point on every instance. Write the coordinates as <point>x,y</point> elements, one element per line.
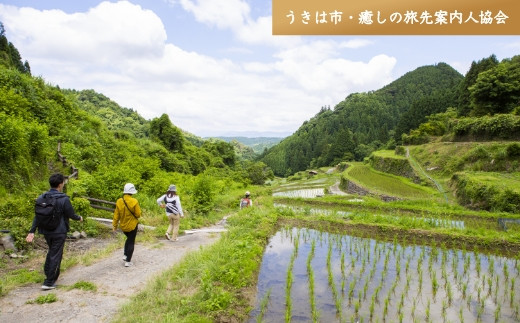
<point>403,17</point>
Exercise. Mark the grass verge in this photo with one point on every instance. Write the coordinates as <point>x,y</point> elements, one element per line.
<point>213,284</point>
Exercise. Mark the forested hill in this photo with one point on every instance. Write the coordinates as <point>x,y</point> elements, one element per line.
<point>109,144</point>
<point>364,122</point>
<point>258,144</point>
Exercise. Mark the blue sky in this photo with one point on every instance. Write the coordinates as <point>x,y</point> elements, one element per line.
<point>213,66</point>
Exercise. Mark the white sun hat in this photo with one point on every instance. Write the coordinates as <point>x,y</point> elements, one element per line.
<point>129,189</point>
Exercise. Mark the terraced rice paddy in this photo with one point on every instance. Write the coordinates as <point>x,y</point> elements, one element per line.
<point>305,193</point>
<point>312,276</point>
<point>409,221</point>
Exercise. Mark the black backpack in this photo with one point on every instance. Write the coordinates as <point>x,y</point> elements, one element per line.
<point>47,211</point>
<point>171,207</point>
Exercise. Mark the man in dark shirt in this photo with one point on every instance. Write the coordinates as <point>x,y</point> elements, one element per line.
<point>55,238</point>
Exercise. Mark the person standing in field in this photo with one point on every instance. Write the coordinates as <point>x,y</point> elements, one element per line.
<point>56,237</point>
<point>127,214</point>
<point>246,201</point>
<point>172,205</point>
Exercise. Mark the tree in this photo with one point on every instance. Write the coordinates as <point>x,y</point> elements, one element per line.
<point>163,131</point>
<point>464,100</point>
<point>258,172</point>
<point>497,90</point>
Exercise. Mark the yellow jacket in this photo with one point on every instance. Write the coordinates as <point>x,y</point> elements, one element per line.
<point>126,220</point>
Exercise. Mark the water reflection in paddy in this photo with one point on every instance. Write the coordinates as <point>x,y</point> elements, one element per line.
<point>431,222</point>
<point>305,193</point>
<point>358,279</point>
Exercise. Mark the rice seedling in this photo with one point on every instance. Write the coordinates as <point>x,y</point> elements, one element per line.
<point>263,306</point>
<point>497,312</point>
<point>420,282</point>
<point>491,267</point>
<point>365,289</point>
<point>342,265</point>
<point>480,310</point>
<point>394,285</point>
<point>310,273</point>
<point>337,299</point>
<point>398,267</point>
<point>449,293</point>
<point>288,286</point>
<point>444,309</point>
<point>477,266</point>
<point>461,314</point>
<point>414,307</point>
<point>376,291</point>
<point>427,311</point>
<point>351,289</point>
<point>407,264</point>
<point>385,308</point>
<point>467,262</point>
<point>435,284</point>
<point>357,305</point>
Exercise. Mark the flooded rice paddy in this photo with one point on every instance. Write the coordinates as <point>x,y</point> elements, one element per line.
<point>412,221</point>
<point>305,193</point>
<point>307,275</point>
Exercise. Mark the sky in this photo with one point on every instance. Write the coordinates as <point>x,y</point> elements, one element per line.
<point>214,66</point>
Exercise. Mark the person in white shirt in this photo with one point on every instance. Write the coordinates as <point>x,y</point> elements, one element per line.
<point>172,205</point>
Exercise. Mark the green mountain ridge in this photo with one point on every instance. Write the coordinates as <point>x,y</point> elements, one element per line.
<point>258,144</point>
<point>364,122</point>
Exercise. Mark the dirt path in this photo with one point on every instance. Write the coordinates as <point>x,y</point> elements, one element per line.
<point>334,189</point>
<point>115,283</point>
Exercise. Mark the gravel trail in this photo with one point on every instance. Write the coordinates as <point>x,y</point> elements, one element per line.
<point>115,283</point>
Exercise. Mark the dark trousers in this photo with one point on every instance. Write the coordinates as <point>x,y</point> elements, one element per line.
<point>56,242</point>
<point>129,243</point>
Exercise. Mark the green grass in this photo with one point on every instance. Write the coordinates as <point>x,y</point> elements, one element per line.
<point>382,183</point>
<point>18,277</point>
<point>84,285</point>
<point>44,299</point>
<point>502,180</point>
<point>388,154</point>
<point>209,284</point>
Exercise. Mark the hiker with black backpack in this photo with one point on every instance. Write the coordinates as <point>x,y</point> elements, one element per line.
<point>127,214</point>
<point>52,213</point>
<point>171,203</point>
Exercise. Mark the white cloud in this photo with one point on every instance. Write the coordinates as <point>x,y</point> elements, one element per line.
<point>121,50</point>
<point>221,13</point>
<point>317,67</point>
<point>105,33</point>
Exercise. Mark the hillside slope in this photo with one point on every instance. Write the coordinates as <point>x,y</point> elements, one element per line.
<point>364,121</point>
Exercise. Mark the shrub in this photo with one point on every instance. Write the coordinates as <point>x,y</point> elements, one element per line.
<point>16,215</point>
<point>513,150</point>
<point>400,151</point>
<point>203,194</point>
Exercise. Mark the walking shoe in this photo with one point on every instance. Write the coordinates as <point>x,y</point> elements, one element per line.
<point>176,239</point>
<point>45,287</point>
<point>167,236</point>
<point>128,264</point>
<point>124,258</point>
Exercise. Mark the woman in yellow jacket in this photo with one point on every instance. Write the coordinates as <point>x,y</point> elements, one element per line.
<point>127,214</point>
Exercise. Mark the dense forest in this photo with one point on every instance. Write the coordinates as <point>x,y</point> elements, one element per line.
<point>431,100</point>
